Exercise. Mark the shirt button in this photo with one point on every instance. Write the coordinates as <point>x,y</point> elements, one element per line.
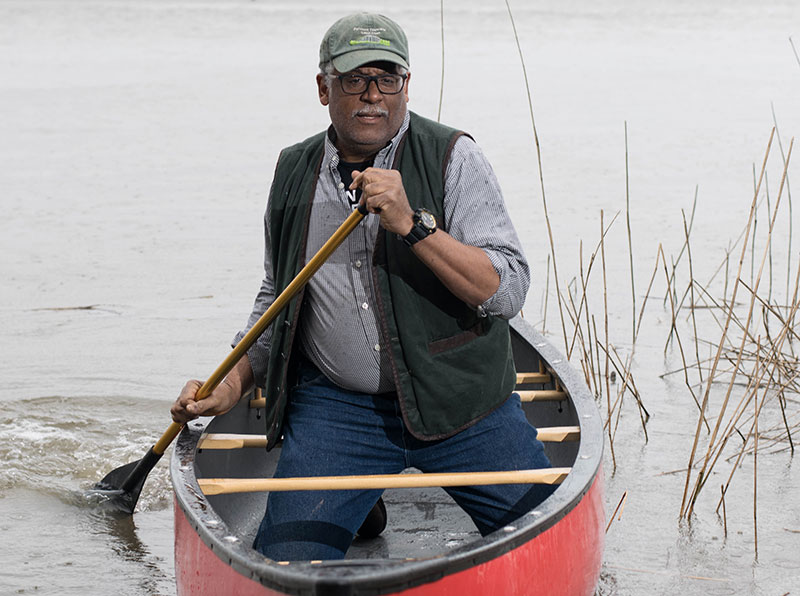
<point>357,264</point>
<point>377,347</point>
<point>365,306</point>
<point>341,185</point>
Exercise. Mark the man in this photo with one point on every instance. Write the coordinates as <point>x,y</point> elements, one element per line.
<point>397,353</point>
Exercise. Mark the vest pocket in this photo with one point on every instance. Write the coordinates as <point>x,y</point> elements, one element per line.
<point>456,341</point>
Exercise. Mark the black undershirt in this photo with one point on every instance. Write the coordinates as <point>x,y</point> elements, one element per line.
<point>346,169</point>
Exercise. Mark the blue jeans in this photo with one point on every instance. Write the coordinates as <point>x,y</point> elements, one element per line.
<point>330,431</point>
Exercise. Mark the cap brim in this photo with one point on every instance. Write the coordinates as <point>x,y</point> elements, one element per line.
<point>352,60</point>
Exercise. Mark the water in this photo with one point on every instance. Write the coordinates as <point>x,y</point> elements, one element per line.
<point>137,143</point>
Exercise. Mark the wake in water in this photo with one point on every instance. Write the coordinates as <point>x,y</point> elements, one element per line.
<point>62,446</point>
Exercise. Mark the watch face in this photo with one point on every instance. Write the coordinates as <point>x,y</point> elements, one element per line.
<point>426,219</point>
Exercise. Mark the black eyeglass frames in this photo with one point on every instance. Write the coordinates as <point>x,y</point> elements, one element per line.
<point>356,84</point>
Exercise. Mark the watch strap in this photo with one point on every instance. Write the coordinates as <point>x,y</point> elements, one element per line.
<point>419,231</point>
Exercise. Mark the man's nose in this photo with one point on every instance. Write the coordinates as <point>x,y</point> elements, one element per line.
<point>372,94</point>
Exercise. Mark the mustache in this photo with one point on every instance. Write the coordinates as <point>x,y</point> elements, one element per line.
<point>371,111</point>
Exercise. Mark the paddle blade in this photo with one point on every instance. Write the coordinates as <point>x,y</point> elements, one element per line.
<point>120,488</point>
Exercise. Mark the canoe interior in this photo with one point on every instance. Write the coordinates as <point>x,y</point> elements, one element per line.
<point>428,537</point>
<point>421,522</point>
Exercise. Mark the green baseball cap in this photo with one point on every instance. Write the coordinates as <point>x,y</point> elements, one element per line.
<point>358,39</point>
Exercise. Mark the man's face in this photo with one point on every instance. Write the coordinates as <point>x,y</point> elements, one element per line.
<point>365,122</point>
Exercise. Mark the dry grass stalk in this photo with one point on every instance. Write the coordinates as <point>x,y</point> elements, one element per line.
<point>755,460</point>
<point>671,282</point>
<point>630,241</point>
<point>541,175</point>
<point>647,294</point>
<point>644,415</point>
<point>789,204</point>
<point>586,343</point>
<point>771,371</point>
<point>546,295</point>
<point>674,332</point>
<point>724,510</point>
<point>605,320</point>
<point>692,298</point>
<point>441,84</point>
<point>710,379</point>
<point>620,507</point>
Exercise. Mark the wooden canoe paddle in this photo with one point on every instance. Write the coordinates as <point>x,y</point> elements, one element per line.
<point>121,487</point>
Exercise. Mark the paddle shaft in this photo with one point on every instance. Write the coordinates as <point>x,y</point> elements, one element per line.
<point>218,486</point>
<point>266,319</point>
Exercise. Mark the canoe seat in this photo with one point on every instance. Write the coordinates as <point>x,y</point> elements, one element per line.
<point>551,434</point>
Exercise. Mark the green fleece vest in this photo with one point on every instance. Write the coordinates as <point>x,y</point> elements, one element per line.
<point>450,367</point>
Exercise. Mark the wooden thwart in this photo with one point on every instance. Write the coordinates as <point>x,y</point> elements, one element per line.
<point>550,434</point>
<point>219,486</point>
<point>542,395</point>
<point>559,434</point>
<point>533,377</point>
<point>525,395</point>
<point>523,378</point>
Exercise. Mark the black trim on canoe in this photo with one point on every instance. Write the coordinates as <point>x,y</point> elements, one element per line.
<point>385,576</point>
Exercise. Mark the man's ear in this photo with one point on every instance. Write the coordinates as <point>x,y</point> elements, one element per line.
<point>405,89</point>
<point>322,87</point>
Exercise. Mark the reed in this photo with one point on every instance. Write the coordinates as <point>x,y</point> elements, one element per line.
<point>605,326</point>
<point>755,464</point>
<point>794,49</point>
<point>759,357</point>
<point>630,241</point>
<point>692,298</point>
<point>677,261</point>
<point>710,378</point>
<point>619,508</point>
<point>546,295</point>
<point>789,205</point>
<point>743,381</point>
<point>441,84</point>
<point>541,174</point>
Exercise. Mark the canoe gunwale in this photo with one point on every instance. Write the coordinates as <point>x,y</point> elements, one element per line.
<point>386,576</point>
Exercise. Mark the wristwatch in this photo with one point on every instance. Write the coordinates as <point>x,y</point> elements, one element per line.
<point>424,226</point>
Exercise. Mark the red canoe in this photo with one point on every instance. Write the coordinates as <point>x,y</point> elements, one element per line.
<point>429,546</point>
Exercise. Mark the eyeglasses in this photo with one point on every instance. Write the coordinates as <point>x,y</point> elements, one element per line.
<point>356,84</point>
